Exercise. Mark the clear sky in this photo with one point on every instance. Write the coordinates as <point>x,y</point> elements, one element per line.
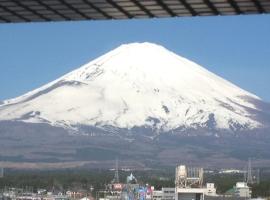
<point>236,48</point>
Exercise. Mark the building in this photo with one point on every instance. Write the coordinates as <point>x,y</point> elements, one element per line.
<point>168,193</point>
<point>188,183</point>
<point>241,189</point>
<point>190,194</point>
<point>164,194</point>
<point>77,194</point>
<point>157,195</point>
<point>210,189</point>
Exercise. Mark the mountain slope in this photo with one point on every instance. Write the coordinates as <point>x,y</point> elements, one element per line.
<point>139,85</point>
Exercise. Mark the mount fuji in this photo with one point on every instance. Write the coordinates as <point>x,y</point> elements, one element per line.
<point>139,89</point>
<point>138,84</point>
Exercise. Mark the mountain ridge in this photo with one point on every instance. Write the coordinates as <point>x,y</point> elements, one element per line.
<point>141,103</point>
<point>138,84</point>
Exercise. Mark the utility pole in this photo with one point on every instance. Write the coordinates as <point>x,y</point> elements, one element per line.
<point>249,173</point>
<point>116,173</point>
<point>258,176</point>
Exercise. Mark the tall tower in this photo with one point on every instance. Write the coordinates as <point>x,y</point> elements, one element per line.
<point>249,173</point>
<point>116,173</point>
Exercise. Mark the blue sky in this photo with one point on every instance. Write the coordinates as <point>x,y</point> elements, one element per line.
<point>236,48</point>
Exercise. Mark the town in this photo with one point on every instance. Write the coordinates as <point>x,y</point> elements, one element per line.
<point>189,184</point>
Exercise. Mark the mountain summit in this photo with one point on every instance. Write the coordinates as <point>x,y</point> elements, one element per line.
<point>138,85</point>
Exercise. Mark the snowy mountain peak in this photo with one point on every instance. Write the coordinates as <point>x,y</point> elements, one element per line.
<point>134,85</point>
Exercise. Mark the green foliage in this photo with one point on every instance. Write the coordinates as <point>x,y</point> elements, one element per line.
<point>80,179</point>
<point>61,180</point>
<point>261,190</point>
<point>223,182</point>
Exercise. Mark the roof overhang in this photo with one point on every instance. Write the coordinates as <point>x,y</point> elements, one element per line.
<point>71,10</point>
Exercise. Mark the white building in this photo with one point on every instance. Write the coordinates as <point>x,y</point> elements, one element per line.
<point>189,194</point>
<point>168,193</point>
<point>164,194</point>
<point>210,189</point>
<point>157,195</point>
<point>242,190</point>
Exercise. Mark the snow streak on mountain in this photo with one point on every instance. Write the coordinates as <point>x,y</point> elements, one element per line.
<point>138,85</point>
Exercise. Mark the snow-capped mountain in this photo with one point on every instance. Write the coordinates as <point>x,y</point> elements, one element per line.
<point>138,85</point>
